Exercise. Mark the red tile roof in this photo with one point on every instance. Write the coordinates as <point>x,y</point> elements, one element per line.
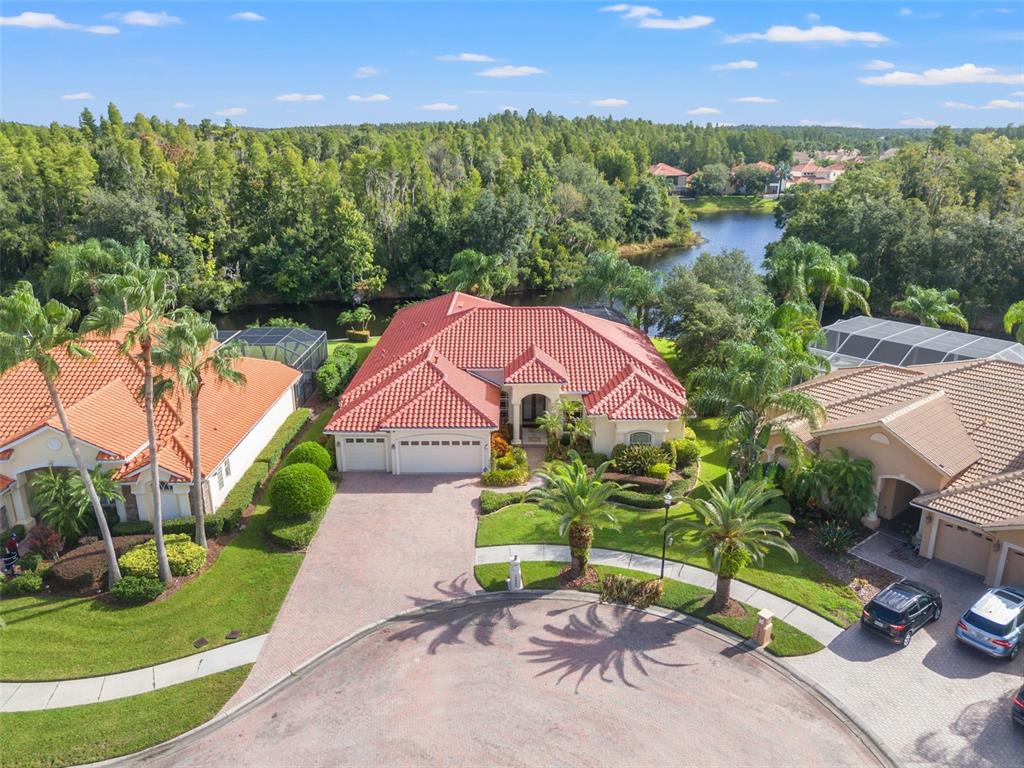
<point>424,356</point>
<point>664,169</point>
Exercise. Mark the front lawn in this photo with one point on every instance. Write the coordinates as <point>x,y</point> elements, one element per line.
<point>685,598</point>
<point>735,203</point>
<point>76,735</point>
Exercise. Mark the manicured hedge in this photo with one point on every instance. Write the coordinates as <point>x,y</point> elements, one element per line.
<point>337,371</point>
<point>294,533</point>
<point>183,555</point>
<point>310,453</point>
<point>87,565</point>
<point>136,590</point>
<point>215,525</point>
<point>492,501</point>
<point>240,497</point>
<point>25,584</point>
<point>131,528</point>
<point>299,490</point>
<point>638,499</point>
<point>271,454</point>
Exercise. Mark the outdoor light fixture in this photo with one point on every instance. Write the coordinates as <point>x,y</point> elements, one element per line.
<point>664,532</point>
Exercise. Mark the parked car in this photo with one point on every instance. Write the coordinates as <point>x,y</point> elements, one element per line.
<point>902,608</point>
<point>1017,708</point>
<point>995,624</point>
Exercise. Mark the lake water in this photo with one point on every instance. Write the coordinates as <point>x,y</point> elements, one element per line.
<point>750,233</point>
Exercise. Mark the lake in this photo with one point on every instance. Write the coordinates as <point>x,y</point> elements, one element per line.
<point>749,232</point>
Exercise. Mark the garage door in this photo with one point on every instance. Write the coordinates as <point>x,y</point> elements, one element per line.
<point>962,547</point>
<point>441,454</point>
<point>365,454</point>
<point>1013,573</point>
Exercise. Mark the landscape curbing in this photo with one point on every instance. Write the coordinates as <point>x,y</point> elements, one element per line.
<point>850,721</point>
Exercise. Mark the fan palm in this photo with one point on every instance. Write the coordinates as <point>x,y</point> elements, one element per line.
<point>579,499</point>
<point>829,274</point>
<point>732,528</point>
<point>931,307</point>
<point>40,334</point>
<point>1015,317</point>
<point>481,274</point>
<point>138,303</point>
<point>187,349</point>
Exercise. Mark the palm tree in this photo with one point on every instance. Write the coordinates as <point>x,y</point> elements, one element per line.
<point>482,274</point>
<point>138,303</point>
<point>1015,317</point>
<point>33,332</point>
<point>931,307</point>
<point>551,423</point>
<point>829,274</point>
<point>640,292</point>
<point>186,349</point>
<point>733,528</point>
<point>62,500</point>
<point>849,484</point>
<point>604,275</point>
<point>579,499</point>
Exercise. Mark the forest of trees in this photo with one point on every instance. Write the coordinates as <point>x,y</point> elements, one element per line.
<point>299,214</point>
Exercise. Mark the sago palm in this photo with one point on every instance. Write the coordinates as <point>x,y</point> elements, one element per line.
<point>186,351</point>
<point>1015,317</point>
<point>39,334</point>
<point>931,307</point>
<point>732,528</point>
<point>579,499</point>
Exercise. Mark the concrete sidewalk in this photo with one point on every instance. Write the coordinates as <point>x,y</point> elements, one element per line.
<point>26,697</point>
<point>818,627</point>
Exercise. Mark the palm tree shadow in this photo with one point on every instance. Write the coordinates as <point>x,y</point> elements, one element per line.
<point>588,644</point>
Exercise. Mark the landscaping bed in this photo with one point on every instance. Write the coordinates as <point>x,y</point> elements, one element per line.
<point>84,569</point>
<point>865,579</point>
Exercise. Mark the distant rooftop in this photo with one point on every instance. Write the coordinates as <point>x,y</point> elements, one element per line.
<point>862,340</point>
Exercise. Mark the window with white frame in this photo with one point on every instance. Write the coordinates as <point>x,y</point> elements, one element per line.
<point>220,479</point>
<point>641,438</point>
<point>227,466</point>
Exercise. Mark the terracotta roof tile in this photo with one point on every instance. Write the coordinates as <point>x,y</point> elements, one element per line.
<point>535,366</point>
<point>5,482</point>
<point>664,169</point>
<point>992,501</point>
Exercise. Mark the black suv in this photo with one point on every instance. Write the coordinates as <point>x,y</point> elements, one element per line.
<point>900,609</point>
<point>1018,707</point>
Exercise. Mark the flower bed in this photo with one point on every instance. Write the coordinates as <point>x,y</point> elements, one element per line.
<point>85,567</point>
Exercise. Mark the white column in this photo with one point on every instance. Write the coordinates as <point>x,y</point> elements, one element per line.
<point>181,500</point>
<point>932,536</point>
<point>870,520</point>
<point>339,451</point>
<point>516,412</point>
<point>141,500</point>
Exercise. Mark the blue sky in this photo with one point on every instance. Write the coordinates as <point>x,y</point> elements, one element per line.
<point>876,64</point>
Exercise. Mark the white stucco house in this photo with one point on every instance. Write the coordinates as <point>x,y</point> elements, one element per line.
<point>450,371</point>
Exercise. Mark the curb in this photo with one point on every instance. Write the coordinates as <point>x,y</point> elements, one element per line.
<point>851,722</point>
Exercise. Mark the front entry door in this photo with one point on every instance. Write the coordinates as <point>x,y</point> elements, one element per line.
<point>533,406</point>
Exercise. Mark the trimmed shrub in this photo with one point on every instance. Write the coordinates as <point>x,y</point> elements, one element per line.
<point>328,380</point>
<point>131,528</point>
<point>689,434</point>
<point>294,533</point>
<point>503,478</point>
<point>183,555</point>
<point>299,490</point>
<point>357,335</point>
<point>505,462</point>
<point>637,499</point>
<point>642,593</point>
<point>638,459</point>
<point>594,460</point>
<point>310,453</point>
<point>25,584</point>
<point>659,471</point>
<point>271,454</point>
<point>240,497</point>
<point>136,590</point>
<point>45,540</point>
<point>687,452</point>
<point>492,501</point>
<point>499,445</point>
<point>87,565</point>
<point>30,561</point>
<point>834,536</point>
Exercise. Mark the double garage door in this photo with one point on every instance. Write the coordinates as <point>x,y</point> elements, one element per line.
<point>423,454</point>
<point>963,547</point>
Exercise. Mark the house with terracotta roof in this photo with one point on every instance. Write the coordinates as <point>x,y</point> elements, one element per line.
<point>677,178</point>
<point>946,442</point>
<point>449,371</point>
<point>109,424</point>
<point>812,173</point>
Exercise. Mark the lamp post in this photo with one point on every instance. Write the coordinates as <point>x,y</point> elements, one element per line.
<point>664,532</point>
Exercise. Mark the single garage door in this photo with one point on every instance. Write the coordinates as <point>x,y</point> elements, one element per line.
<point>364,453</point>
<point>1013,573</point>
<point>441,454</point>
<point>962,547</point>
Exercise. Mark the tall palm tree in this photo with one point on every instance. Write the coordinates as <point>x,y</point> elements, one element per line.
<point>33,332</point>
<point>931,307</point>
<point>734,527</point>
<point>604,276</point>
<point>579,499</point>
<point>186,349</point>
<point>482,274</point>
<point>830,274</point>
<point>639,292</point>
<point>138,303</point>
<point>1015,317</point>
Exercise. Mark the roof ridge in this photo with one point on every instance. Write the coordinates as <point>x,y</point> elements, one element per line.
<point>912,405</point>
<point>974,485</point>
<point>924,377</point>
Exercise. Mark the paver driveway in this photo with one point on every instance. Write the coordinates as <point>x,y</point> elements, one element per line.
<point>535,683</point>
<point>386,545</point>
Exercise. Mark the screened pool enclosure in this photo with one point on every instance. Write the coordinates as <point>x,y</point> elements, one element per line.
<point>304,350</point>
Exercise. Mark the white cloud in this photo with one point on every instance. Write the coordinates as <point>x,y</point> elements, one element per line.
<point>1004,104</point>
<point>813,17</point>
<point>439,106</point>
<point>145,18</point>
<point>32,20</point>
<point>918,122</point>
<point>474,57</point>
<point>703,111</point>
<point>822,34</point>
<point>372,98</point>
<point>183,105</point>
<point>650,18</point>
<point>231,111</point>
<point>1017,93</point>
<point>957,105</point>
<point>365,72</point>
<point>741,64</point>
<point>755,100</point>
<point>509,71</point>
<point>964,74</point>
<point>247,16</point>
<point>300,97</point>
<point>879,64</point>
<point>906,12</point>
<point>609,102</point>
<point>631,11</point>
<point>80,96</point>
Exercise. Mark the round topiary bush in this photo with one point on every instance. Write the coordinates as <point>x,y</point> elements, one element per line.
<point>135,590</point>
<point>300,489</point>
<point>310,453</point>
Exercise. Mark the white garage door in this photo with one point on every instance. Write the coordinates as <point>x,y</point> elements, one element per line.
<point>441,454</point>
<point>364,453</point>
<point>962,546</point>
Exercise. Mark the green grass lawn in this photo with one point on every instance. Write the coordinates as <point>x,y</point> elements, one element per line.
<point>362,348</point>
<point>685,598</point>
<point>667,349</point>
<point>52,638</point>
<point>85,734</point>
<point>745,203</point>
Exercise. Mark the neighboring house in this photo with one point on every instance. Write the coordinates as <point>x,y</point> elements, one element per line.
<point>450,371</point>
<point>946,439</point>
<point>109,423</point>
<point>676,178</point>
<point>770,186</point>
<point>812,173</point>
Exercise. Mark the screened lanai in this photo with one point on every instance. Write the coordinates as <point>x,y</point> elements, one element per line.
<point>864,340</point>
<point>302,349</point>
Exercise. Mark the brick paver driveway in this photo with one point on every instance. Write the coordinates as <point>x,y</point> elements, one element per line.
<point>936,703</point>
<point>386,545</point>
<point>535,682</point>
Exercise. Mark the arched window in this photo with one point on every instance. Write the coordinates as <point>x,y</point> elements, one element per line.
<point>641,438</point>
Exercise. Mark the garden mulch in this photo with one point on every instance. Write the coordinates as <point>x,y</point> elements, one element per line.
<point>864,578</point>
